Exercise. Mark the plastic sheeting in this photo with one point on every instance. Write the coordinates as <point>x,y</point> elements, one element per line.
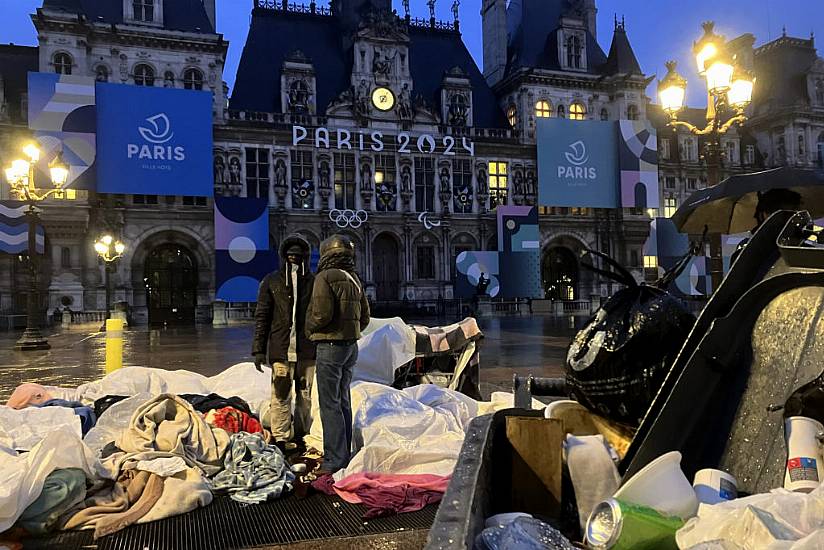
<point>22,477</point>
<point>419,430</point>
<point>24,428</point>
<point>387,344</point>
<point>778,520</point>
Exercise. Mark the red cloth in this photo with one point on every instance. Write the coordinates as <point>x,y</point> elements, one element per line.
<point>324,484</point>
<point>233,421</point>
<point>387,494</point>
<point>28,394</point>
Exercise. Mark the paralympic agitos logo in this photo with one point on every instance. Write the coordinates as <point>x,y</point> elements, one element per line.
<point>577,158</point>
<point>157,134</point>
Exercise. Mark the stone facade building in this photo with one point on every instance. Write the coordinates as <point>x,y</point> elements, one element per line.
<point>348,118</point>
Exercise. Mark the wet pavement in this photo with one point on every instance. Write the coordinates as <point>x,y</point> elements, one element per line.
<point>521,345</point>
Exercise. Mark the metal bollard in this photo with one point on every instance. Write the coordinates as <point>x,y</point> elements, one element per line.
<point>114,345</point>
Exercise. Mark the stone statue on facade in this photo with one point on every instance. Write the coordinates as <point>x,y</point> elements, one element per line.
<point>431,4</point>
<point>382,62</point>
<point>366,177</point>
<point>519,182</point>
<point>406,8</point>
<point>455,5</point>
<point>406,180</point>
<point>234,171</point>
<point>405,103</point>
<point>220,171</point>
<point>280,174</point>
<point>324,175</point>
<point>362,99</point>
<point>482,183</point>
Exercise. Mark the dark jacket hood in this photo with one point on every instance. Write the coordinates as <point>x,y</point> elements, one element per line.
<point>298,240</point>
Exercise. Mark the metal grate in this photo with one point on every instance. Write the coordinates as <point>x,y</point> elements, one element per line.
<point>226,524</point>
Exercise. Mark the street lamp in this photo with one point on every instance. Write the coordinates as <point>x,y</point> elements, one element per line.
<point>729,90</point>
<point>109,250</point>
<point>20,176</point>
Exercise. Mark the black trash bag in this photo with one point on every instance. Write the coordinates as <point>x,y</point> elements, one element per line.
<point>616,364</point>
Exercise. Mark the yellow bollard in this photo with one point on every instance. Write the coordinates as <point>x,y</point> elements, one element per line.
<point>114,345</point>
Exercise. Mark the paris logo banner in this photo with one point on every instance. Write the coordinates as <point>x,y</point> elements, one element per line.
<point>242,253</point>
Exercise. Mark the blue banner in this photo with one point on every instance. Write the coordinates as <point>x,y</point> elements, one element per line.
<point>577,163</point>
<point>154,141</point>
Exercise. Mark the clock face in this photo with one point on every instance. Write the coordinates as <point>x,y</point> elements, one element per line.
<point>383,99</point>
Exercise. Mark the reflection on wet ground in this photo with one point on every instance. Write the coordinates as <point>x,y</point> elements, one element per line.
<point>521,345</point>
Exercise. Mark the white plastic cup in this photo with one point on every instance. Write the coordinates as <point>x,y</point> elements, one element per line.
<point>714,486</point>
<point>662,486</point>
<point>805,470</point>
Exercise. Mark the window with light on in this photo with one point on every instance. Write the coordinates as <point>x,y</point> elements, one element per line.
<point>577,111</point>
<point>498,183</point>
<point>543,109</point>
<point>670,206</point>
<point>651,262</point>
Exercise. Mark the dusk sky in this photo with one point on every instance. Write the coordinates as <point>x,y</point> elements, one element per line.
<point>658,30</point>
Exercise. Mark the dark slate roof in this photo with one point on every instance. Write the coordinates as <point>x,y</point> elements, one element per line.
<point>533,37</point>
<point>621,59</point>
<point>273,35</point>
<point>178,15</point>
<point>781,68</point>
<point>659,119</point>
<point>15,64</point>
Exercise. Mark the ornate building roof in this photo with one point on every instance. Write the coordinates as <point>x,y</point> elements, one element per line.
<point>178,15</point>
<point>276,33</point>
<point>15,64</point>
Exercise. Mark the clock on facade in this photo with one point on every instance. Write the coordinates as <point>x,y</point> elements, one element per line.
<point>383,99</point>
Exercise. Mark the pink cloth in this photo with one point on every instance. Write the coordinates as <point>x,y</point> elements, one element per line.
<point>386,494</point>
<point>28,394</point>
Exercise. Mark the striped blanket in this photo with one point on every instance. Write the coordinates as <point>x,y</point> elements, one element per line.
<point>434,340</point>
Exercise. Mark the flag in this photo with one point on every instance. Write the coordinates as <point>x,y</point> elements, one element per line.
<point>14,229</point>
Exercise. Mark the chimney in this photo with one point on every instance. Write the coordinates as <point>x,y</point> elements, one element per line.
<point>209,6</point>
<point>493,16</point>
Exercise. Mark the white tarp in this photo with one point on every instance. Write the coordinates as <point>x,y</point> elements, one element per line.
<point>22,477</point>
<point>387,344</point>
<point>24,428</point>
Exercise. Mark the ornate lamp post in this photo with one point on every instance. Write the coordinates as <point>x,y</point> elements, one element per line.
<point>109,250</point>
<point>20,176</point>
<point>729,89</point>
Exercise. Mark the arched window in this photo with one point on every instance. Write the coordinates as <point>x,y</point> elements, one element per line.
<point>632,112</point>
<point>298,96</point>
<point>192,79</point>
<point>577,111</point>
<point>143,10</point>
<point>604,114</point>
<point>101,73</point>
<point>144,75</point>
<point>62,63</point>
<point>512,115</point>
<point>543,109</point>
<point>561,111</point>
<point>573,46</point>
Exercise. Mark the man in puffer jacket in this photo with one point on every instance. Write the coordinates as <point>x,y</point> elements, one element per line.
<point>338,312</point>
<point>280,340</point>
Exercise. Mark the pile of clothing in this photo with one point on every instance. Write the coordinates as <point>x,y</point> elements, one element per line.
<point>138,446</point>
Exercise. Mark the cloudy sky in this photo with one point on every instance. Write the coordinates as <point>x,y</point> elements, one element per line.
<point>658,29</point>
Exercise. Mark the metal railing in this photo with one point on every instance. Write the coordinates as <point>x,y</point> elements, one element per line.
<point>577,306</point>
<point>292,7</point>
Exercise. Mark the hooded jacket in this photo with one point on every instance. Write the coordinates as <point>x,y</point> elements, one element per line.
<point>273,314</point>
<point>339,310</point>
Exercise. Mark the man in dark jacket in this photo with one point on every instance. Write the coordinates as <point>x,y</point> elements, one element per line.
<point>338,312</point>
<point>280,339</point>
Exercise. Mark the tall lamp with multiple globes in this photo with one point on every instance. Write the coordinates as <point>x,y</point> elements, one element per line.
<point>729,89</point>
<point>20,176</point>
<point>109,250</point>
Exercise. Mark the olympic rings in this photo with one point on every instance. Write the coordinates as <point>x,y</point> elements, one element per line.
<point>348,218</point>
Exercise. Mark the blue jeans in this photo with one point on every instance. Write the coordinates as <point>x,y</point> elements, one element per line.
<point>334,374</point>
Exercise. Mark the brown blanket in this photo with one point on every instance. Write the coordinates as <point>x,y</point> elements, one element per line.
<point>117,507</point>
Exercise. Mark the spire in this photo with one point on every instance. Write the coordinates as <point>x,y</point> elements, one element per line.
<point>621,59</point>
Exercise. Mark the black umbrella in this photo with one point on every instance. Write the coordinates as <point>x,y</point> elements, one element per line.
<point>729,207</point>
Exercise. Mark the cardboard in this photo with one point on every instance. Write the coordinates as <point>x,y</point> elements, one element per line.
<point>536,464</point>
